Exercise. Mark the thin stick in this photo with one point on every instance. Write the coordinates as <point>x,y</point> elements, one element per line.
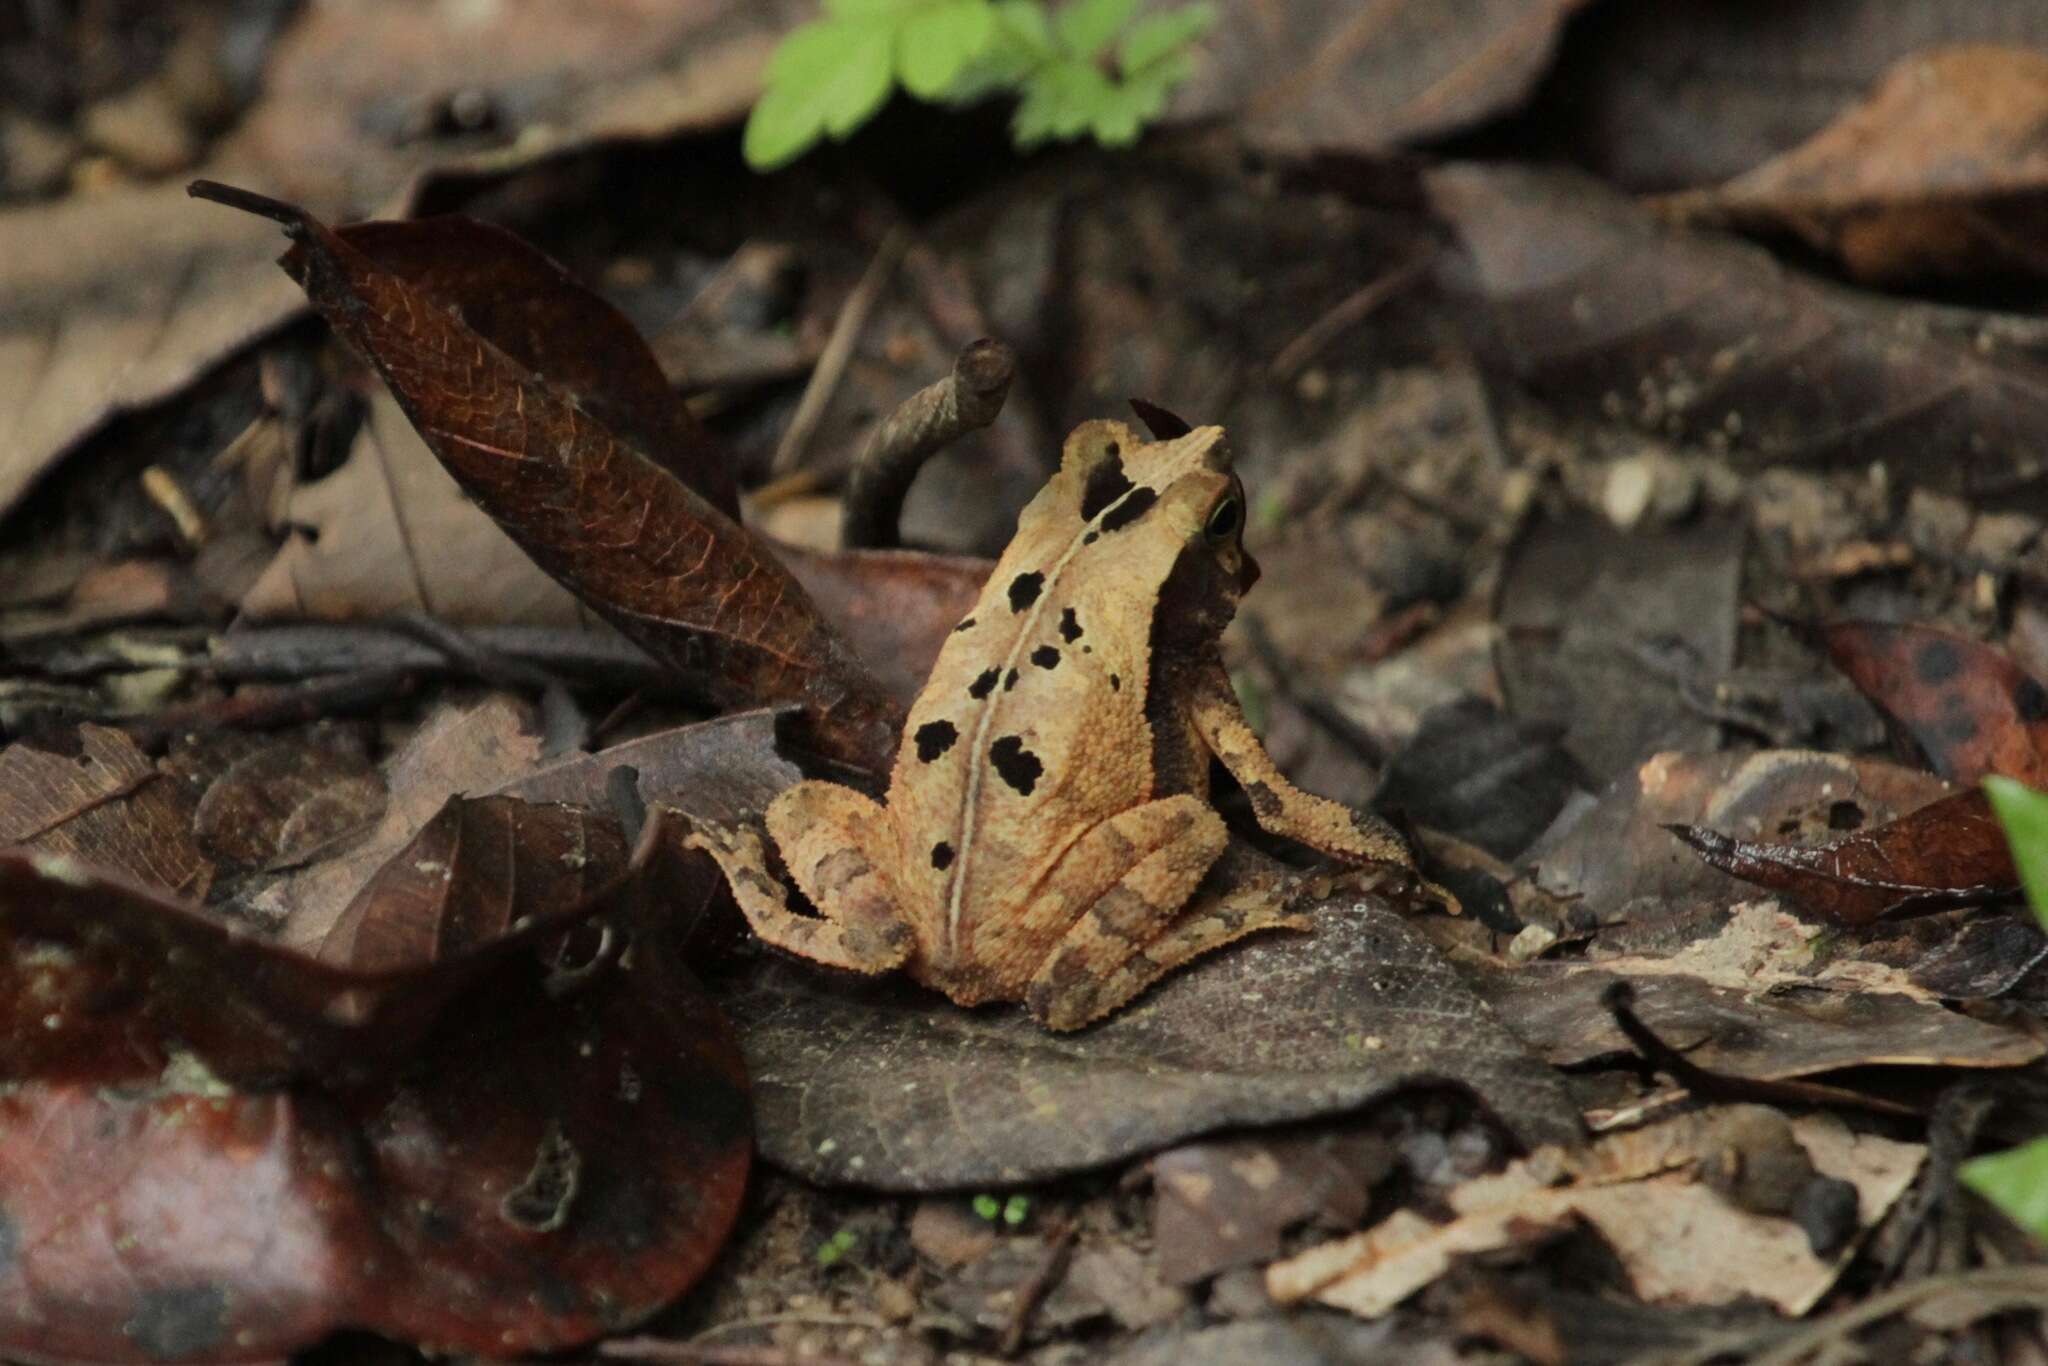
<point>711,1354</point>
<point>1347,313</point>
<point>923,425</point>
<point>1034,1290</point>
<point>831,367</point>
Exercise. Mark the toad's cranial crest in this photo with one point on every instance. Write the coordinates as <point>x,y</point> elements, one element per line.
<point>1048,816</point>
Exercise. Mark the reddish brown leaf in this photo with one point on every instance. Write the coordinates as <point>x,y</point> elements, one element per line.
<point>1949,853</point>
<point>618,528</point>
<point>95,797</point>
<point>1970,709</point>
<point>563,1152</point>
<point>1596,305</point>
<point>1937,172</point>
<point>471,874</point>
<point>896,606</point>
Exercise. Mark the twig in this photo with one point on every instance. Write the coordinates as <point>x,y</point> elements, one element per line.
<point>923,425</point>
<point>1346,314</point>
<point>831,367</point>
<point>1035,1288</point>
<point>263,709</point>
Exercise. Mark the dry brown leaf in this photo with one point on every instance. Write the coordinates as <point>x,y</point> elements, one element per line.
<point>1938,172</point>
<point>1678,1241</point>
<point>104,802</point>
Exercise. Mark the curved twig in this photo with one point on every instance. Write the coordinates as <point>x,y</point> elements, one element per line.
<point>922,425</point>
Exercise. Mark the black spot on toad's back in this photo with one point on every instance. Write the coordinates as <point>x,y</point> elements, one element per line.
<point>1016,765</point>
<point>966,623</point>
<point>1937,662</point>
<point>1024,590</point>
<point>1091,538</point>
<point>1106,484</point>
<point>1136,504</point>
<point>1070,625</point>
<point>942,855</point>
<point>1010,681</point>
<point>1046,657</point>
<point>935,738</point>
<point>2030,701</point>
<point>984,684</point>
<point>1115,684</point>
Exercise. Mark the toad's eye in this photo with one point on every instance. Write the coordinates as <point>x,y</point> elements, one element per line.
<point>1226,517</point>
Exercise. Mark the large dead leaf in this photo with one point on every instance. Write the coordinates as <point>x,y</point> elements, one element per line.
<point>610,519</point>
<point>1597,307</point>
<point>548,1165</point>
<point>883,1087</point>
<point>1938,173</point>
<point>346,123</point>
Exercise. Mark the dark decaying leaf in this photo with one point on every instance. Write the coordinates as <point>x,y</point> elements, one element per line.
<point>562,1153</point>
<point>1594,304</point>
<point>1971,710</point>
<point>882,1086</point>
<point>1949,853</point>
<point>480,867</point>
<point>612,523</point>
<point>94,796</point>
<point>1604,632</point>
<point>268,801</point>
<point>1938,172</point>
<point>1227,1203</point>
<point>1776,1036</point>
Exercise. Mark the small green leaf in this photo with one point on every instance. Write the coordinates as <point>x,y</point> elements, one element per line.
<point>826,77</point>
<point>987,1207</point>
<point>1017,1210</point>
<point>1061,100</point>
<point>1085,27</point>
<point>835,1248</point>
<point>1157,35</point>
<point>1025,22</point>
<point>935,45</point>
<point>2016,1180</point>
<point>2024,814</point>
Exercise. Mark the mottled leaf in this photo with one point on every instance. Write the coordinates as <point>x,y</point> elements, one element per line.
<point>94,796</point>
<point>1967,705</point>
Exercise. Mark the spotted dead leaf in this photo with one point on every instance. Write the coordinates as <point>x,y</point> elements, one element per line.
<point>1967,705</point>
<point>865,1085</point>
<point>591,502</point>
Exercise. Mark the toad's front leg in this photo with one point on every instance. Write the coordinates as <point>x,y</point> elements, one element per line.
<point>1280,806</point>
<point>839,846</point>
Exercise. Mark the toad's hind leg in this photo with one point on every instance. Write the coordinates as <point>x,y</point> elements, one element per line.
<point>1168,846</point>
<point>836,844</point>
